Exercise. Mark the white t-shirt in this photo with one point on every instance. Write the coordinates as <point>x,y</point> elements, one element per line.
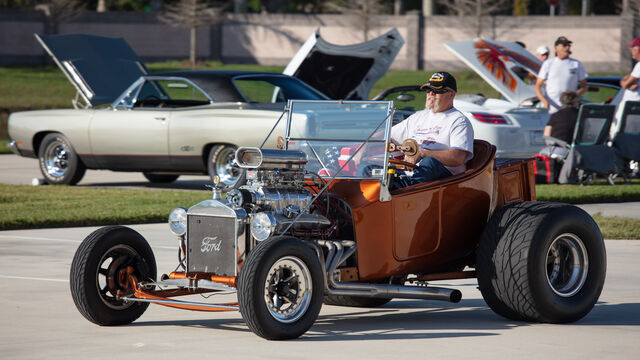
<point>627,95</point>
<point>632,95</point>
<point>441,131</point>
<point>560,75</point>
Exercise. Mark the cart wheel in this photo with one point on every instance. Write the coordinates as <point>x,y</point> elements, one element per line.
<point>97,274</point>
<point>59,163</point>
<point>280,288</point>
<point>541,262</point>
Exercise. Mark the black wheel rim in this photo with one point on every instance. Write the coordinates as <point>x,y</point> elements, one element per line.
<point>108,283</point>
<point>288,289</point>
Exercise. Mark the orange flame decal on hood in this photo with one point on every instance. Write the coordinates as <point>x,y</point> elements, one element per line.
<point>494,61</point>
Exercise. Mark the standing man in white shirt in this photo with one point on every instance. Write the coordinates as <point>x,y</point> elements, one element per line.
<point>629,83</point>
<point>560,74</point>
<point>444,134</point>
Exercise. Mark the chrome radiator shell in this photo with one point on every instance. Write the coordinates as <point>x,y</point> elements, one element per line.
<point>216,238</point>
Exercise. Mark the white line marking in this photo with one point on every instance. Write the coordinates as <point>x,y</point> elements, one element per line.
<point>32,278</point>
<point>12,237</point>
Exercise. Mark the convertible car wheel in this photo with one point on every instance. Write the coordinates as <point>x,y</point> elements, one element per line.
<point>221,163</point>
<point>280,288</point>
<point>541,262</point>
<point>59,163</point>
<point>99,274</point>
<point>160,178</point>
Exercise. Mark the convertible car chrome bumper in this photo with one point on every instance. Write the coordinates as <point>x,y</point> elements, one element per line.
<point>13,146</point>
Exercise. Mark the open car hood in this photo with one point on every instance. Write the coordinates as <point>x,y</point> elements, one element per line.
<point>100,68</point>
<point>345,71</point>
<point>497,63</point>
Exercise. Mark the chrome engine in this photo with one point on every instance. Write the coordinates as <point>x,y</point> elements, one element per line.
<point>273,202</point>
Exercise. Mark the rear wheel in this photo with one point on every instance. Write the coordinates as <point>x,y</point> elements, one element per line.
<point>541,262</point>
<point>221,163</point>
<point>99,274</point>
<point>160,178</point>
<point>59,163</point>
<point>280,288</point>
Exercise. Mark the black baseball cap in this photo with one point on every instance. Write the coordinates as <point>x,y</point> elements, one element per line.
<point>440,82</point>
<point>562,40</point>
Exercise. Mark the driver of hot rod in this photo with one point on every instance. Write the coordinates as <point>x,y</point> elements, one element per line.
<point>444,134</point>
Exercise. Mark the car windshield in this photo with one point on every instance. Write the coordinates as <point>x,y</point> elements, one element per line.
<point>274,89</point>
<point>331,132</point>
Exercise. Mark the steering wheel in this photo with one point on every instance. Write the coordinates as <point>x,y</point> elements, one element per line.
<point>402,165</point>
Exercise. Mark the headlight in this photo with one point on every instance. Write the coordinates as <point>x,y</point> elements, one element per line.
<point>262,226</point>
<point>178,221</point>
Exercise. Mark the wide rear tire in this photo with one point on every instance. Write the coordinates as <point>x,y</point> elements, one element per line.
<point>542,262</point>
<point>99,260</point>
<point>280,288</point>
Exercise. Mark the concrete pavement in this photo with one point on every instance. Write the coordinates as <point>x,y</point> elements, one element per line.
<point>39,319</point>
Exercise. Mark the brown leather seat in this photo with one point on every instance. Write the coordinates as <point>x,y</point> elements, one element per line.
<point>483,152</point>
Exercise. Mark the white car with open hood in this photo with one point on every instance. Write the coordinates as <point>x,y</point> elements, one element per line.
<point>171,123</point>
<point>514,123</point>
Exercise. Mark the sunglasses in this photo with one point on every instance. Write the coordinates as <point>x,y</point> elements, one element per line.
<point>440,91</point>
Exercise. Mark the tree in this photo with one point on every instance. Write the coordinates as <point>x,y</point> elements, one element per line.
<point>58,11</point>
<point>479,10</point>
<point>364,12</point>
<point>193,14</point>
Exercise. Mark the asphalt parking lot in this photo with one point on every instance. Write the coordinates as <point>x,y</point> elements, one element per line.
<point>40,321</point>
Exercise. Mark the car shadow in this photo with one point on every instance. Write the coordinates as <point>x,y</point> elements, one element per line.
<point>430,320</point>
<point>176,185</point>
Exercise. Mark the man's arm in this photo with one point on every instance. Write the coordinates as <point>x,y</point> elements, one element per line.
<point>582,87</point>
<point>547,131</point>
<point>448,157</point>
<point>539,93</point>
<point>628,82</point>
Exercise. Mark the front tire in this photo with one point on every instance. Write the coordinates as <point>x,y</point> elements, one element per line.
<point>542,262</point>
<point>280,288</point>
<point>58,161</point>
<point>97,274</point>
<point>221,163</point>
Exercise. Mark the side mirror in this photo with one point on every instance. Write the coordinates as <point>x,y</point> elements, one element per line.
<point>405,97</point>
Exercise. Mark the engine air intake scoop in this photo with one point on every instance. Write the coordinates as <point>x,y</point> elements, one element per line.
<point>253,157</point>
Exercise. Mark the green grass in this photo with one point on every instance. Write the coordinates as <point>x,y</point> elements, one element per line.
<point>4,149</point>
<point>589,194</point>
<point>26,207</point>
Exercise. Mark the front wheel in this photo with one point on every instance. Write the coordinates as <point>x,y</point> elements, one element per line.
<point>280,288</point>
<point>99,274</point>
<point>59,163</point>
<point>542,262</point>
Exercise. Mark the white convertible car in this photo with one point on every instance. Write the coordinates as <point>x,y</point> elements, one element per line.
<point>167,124</point>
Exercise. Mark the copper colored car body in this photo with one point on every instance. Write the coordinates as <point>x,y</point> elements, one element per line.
<point>319,222</point>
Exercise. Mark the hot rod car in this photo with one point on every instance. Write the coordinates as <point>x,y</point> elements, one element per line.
<point>319,221</point>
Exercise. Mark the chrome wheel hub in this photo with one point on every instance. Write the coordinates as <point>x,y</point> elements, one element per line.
<point>288,289</point>
<point>567,265</point>
<point>226,168</point>
<point>56,159</point>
